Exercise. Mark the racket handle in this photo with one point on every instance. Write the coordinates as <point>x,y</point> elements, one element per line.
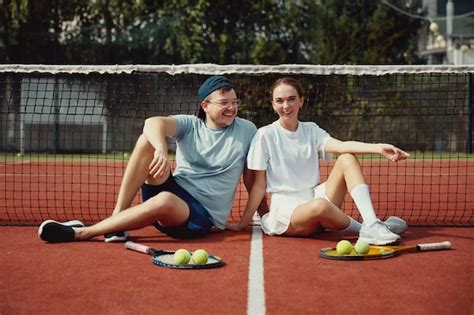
<point>136,247</point>
<point>434,246</point>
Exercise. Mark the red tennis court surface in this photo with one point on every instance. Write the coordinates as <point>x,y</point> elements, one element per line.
<point>98,278</point>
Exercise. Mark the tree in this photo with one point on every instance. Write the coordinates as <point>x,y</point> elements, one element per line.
<point>25,32</point>
<point>204,31</point>
<point>362,32</point>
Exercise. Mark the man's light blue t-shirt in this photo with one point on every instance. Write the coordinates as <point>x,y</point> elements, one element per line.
<point>210,162</point>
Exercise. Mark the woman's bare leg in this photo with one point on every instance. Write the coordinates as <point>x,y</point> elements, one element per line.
<point>344,176</point>
<point>319,213</point>
<point>314,215</point>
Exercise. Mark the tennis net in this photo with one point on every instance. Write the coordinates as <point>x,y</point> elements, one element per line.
<point>66,132</point>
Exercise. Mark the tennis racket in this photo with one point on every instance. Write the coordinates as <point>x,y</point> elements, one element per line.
<point>381,252</point>
<point>164,258</point>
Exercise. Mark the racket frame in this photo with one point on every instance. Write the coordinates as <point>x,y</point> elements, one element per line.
<point>383,252</point>
<point>213,261</point>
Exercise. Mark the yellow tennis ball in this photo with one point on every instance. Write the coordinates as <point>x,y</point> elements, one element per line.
<point>361,247</point>
<point>344,247</point>
<point>200,257</point>
<point>182,256</point>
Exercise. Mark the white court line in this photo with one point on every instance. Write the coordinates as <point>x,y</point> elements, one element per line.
<point>256,286</point>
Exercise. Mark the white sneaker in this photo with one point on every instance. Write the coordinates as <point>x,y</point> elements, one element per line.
<point>377,234</point>
<point>116,237</point>
<point>396,225</point>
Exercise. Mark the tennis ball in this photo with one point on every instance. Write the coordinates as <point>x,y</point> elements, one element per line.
<point>181,256</point>
<point>344,247</point>
<point>200,257</point>
<point>125,155</point>
<point>19,154</point>
<point>362,247</point>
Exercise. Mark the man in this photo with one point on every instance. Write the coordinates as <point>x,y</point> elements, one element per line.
<point>210,158</point>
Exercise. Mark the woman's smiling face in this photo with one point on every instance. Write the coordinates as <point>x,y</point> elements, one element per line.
<point>287,102</point>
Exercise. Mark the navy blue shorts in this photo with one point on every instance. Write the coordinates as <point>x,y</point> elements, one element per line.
<point>199,222</point>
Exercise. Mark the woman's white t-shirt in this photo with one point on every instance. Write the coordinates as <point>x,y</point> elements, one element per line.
<point>291,162</point>
<point>290,159</point>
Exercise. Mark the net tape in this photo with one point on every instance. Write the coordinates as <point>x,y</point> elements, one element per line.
<point>213,69</point>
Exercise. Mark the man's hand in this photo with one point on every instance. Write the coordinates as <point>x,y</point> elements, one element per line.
<point>160,165</point>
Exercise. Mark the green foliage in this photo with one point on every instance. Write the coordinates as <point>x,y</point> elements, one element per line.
<point>363,32</point>
<point>204,31</point>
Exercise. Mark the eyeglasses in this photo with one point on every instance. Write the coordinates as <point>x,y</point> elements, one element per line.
<point>234,103</point>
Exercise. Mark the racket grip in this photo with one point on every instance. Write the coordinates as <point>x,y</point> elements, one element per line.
<point>136,247</point>
<point>434,246</point>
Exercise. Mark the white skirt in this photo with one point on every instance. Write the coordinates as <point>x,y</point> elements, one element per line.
<point>282,205</point>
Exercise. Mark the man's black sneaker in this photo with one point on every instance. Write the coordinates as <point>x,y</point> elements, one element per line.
<point>56,232</point>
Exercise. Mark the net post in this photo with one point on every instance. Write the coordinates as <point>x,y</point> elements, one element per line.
<point>57,109</point>
<point>469,112</point>
<point>22,112</point>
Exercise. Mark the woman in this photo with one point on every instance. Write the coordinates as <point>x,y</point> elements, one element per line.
<point>285,157</point>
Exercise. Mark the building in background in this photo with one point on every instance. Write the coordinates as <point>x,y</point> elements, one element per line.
<point>450,36</point>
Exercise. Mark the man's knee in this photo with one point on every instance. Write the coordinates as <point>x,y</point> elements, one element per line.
<point>167,208</point>
<point>161,202</point>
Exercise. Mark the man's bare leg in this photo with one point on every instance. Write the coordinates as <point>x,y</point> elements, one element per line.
<point>135,174</point>
<point>165,207</point>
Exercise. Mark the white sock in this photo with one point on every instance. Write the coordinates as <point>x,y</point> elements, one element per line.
<point>361,196</point>
<point>354,226</point>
